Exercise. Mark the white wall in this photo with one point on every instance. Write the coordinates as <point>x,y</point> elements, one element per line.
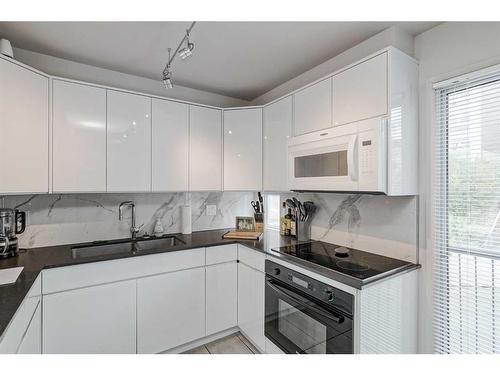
<point>88,73</point>
<point>445,51</point>
<point>392,36</point>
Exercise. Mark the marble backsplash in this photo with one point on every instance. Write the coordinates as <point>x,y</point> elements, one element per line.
<point>69,218</point>
<point>375,223</point>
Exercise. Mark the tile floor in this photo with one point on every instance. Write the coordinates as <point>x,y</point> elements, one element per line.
<point>232,344</point>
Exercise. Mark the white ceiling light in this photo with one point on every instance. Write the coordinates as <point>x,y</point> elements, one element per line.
<point>184,53</point>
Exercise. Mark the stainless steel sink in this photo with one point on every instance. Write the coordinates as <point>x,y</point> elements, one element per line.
<point>124,246</point>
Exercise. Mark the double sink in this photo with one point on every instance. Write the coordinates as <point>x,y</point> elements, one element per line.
<point>124,246</point>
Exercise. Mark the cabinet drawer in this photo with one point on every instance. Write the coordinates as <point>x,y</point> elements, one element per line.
<point>221,254</point>
<point>251,258</point>
<point>72,277</point>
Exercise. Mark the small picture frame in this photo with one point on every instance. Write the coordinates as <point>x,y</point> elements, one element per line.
<point>245,224</point>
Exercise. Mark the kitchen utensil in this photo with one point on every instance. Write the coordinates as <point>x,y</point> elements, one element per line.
<point>261,200</point>
<point>291,204</point>
<point>256,207</point>
<point>243,235</point>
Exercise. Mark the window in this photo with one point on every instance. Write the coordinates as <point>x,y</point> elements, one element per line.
<point>466,214</point>
<point>272,211</point>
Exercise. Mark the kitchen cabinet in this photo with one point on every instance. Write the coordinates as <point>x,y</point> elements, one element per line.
<point>32,340</point>
<point>277,129</point>
<point>128,142</point>
<point>205,149</point>
<point>222,297</point>
<point>243,149</point>
<point>79,137</point>
<point>360,92</point>
<point>251,284</point>
<point>170,145</point>
<point>312,107</point>
<point>97,319</point>
<point>24,129</point>
<point>170,310</point>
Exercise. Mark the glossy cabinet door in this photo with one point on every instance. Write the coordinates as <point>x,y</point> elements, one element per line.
<point>277,129</point>
<point>222,297</point>
<point>97,319</point>
<point>170,145</point>
<point>205,149</point>
<point>32,340</point>
<point>251,284</point>
<point>313,107</point>
<point>24,130</point>
<point>243,149</point>
<point>129,142</point>
<point>79,137</point>
<point>170,310</point>
<point>360,92</point>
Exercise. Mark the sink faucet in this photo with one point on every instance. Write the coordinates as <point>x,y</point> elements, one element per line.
<point>133,229</point>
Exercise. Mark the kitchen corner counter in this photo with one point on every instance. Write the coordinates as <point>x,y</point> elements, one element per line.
<point>36,259</point>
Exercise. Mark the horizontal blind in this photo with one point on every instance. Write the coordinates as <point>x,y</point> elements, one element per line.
<point>466,213</point>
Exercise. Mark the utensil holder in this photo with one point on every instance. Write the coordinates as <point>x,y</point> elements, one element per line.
<point>303,229</point>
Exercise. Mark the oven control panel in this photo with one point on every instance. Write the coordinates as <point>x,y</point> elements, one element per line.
<point>312,287</point>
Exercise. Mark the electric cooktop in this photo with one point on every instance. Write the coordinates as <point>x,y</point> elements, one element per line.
<point>351,262</point>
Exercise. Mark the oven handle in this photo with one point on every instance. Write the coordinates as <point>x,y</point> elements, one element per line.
<point>320,311</point>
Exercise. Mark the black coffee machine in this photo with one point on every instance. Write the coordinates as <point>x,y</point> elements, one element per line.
<point>12,222</point>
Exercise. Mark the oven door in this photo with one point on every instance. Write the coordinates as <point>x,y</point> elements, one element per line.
<point>324,161</point>
<point>297,324</point>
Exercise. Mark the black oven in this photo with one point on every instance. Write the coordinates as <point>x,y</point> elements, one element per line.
<point>306,316</point>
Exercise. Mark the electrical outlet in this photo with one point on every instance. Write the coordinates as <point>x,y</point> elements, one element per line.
<point>211,210</point>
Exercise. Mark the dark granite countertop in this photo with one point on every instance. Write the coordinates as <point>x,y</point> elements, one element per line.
<point>36,259</point>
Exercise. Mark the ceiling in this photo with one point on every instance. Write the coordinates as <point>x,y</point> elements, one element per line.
<point>239,59</point>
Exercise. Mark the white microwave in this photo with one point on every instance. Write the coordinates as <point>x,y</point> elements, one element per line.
<point>348,158</point>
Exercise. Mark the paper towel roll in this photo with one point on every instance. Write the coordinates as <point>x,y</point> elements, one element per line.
<point>186,219</point>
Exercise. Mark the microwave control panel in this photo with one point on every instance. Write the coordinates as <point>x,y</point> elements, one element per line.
<point>368,161</point>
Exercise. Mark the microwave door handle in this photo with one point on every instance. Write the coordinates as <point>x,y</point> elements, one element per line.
<point>317,310</point>
<point>352,154</point>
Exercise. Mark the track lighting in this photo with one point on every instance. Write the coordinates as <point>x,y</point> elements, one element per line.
<point>188,50</point>
<point>167,74</point>
<point>184,53</point>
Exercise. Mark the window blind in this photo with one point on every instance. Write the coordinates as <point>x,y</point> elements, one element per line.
<point>466,216</point>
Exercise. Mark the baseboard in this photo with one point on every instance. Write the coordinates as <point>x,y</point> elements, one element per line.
<point>205,340</point>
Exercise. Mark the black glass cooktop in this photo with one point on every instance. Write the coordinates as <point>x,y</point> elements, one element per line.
<point>355,263</point>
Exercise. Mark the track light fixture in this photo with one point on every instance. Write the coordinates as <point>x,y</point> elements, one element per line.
<point>188,49</point>
<point>184,53</point>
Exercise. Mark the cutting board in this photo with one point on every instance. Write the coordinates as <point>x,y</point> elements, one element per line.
<point>10,275</point>
<point>242,235</point>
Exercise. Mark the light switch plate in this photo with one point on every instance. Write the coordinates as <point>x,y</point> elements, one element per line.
<point>211,210</point>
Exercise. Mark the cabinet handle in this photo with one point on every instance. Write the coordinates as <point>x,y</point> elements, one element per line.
<point>323,134</point>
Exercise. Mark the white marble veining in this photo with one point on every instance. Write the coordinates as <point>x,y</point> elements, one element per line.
<point>68,218</point>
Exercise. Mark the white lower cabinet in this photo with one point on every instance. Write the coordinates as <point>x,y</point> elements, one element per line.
<point>170,310</point>
<point>32,340</point>
<point>97,319</point>
<point>251,284</point>
<point>222,297</point>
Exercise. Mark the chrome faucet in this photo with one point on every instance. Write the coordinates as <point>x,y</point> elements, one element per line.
<point>133,229</point>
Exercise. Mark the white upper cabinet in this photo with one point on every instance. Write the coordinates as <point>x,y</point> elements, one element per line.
<point>129,142</point>
<point>243,149</point>
<point>360,92</point>
<point>24,130</point>
<point>79,138</point>
<point>313,107</point>
<point>170,145</point>
<point>277,130</point>
<point>205,149</point>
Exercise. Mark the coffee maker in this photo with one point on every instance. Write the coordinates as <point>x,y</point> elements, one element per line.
<point>12,222</point>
